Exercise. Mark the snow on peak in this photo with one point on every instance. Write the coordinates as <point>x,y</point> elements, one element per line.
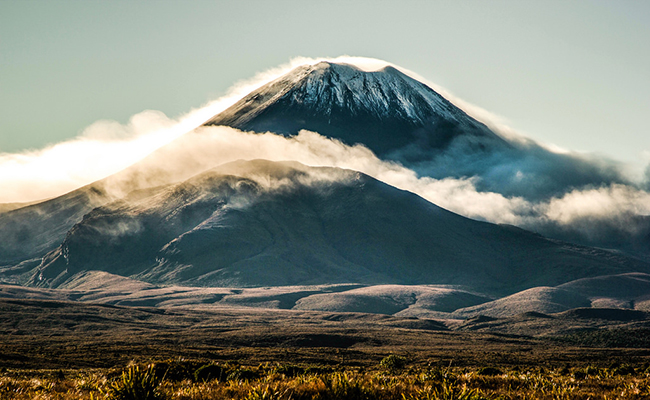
<point>386,92</point>
<point>384,108</point>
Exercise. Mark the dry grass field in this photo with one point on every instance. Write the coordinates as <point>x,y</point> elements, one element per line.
<point>393,378</point>
<point>68,350</point>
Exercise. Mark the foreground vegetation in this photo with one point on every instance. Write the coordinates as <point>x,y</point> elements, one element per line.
<point>393,378</point>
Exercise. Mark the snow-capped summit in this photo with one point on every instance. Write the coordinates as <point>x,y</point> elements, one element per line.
<point>386,110</point>
<point>384,94</point>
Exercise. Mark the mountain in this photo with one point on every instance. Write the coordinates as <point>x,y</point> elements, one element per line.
<point>262,223</point>
<point>5,207</point>
<point>29,232</point>
<point>160,222</point>
<point>386,110</point>
<point>401,119</point>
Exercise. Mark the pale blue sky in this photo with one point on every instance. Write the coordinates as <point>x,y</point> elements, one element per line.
<point>572,73</point>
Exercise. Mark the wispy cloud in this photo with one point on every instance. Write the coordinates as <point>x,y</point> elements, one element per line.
<point>549,186</point>
<point>107,147</point>
<point>104,148</point>
<point>207,147</point>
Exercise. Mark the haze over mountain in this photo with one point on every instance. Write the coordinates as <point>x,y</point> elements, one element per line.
<point>198,212</point>
<point>259,223</point>
<point>392,114</point>
<point>402,119</point>
<point>575,197</point>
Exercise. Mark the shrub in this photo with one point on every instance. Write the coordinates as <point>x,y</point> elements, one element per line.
<point>436,374</point>
<point>136,384</point>
<point>393,362</point>
<point>624,370</point>
<point>262,394</point>
<point>341,386</point>
<point>446,391</point>
<point>59,375</point>
<point>171,370</point>
<point>318,370</point>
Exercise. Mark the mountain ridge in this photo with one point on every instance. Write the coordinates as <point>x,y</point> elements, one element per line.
<point>254,223</point>
<point>260,223</point>
<point>385,110</point>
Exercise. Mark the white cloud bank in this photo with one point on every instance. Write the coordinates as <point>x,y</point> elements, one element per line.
<point>208,147</point>
<point>107,147</point>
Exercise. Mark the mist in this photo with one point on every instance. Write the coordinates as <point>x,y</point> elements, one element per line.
<point>582,211</point>
<point>531,185</point>
<point>107,147</point>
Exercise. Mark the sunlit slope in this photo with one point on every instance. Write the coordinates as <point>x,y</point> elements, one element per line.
<point>260,223</point>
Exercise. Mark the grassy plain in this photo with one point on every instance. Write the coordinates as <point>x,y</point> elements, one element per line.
<point>192,379</point>
<point>68,350</point>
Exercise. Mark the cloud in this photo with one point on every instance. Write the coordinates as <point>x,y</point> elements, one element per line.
<point>529,171</point>
<point>615,201</point>
<point>531,185</point>
<point>600,213</point>
<point>107,147</point>
<point>581,210</point>
<point>102,149</point>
